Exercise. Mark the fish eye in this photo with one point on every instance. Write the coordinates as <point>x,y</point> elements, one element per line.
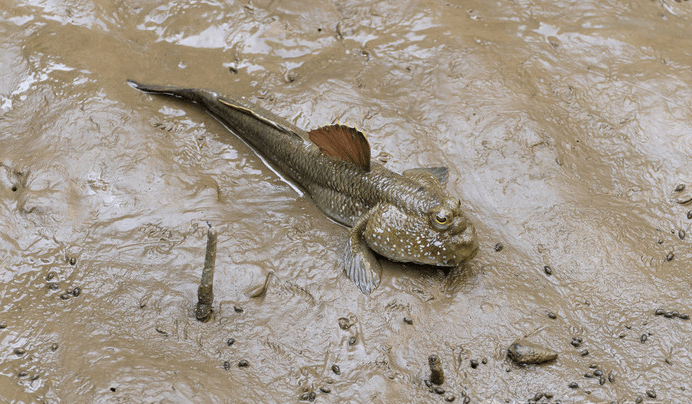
<point>441,218</point>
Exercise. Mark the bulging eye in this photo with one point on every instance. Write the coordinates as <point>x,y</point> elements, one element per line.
<point>441,218</point>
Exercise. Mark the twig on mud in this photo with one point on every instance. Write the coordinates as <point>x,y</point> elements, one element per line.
<point>205,292</point>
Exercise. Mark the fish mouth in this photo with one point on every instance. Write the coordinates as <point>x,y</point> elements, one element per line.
<point>473,254</point>
<point>468,246</point>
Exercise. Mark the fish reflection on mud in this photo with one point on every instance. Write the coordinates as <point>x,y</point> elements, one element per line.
<point>406,218</point>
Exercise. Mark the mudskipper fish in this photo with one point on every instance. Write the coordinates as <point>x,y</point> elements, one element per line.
<point>406,217</point>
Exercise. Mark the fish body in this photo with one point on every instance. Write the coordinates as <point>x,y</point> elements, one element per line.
<point>405,217</point>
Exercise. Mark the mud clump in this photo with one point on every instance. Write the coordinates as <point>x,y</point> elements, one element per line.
<point>672,314</point>
<point>524,353</point>
<point>436,373</point>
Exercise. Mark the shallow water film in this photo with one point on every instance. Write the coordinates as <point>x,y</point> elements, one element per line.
<point>566,127</point>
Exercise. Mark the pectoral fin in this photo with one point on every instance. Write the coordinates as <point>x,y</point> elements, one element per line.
<point>361,264</point>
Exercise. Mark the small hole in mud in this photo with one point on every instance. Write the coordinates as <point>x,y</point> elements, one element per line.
<point>113,389</point>
<point>14,188</point>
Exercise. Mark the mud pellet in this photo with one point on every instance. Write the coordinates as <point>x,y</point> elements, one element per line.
<point>498,247</point>
<point>76,291</point>
<point>670,256</point>
<point>53,286</point>
<point>66,296</point>
<point>439,390</point>
<point>671,314</point>
<point>304,396</point>
<point>611,377</point>
<point>638,400</point>
<point>466,400</point>
<point>73,261</point>
<point>548,395</point>
<point>50,275</point>
<point>537,397</point>
<point>584,352</point>
<point>680,188</point>
<point>243,364</point>
<point>684,316</point>
<point>552,315</point>
<point>352,340</point>
<point>689,214</point>
<point>336,369</point>
<point>226,365</point>
<point>427,382</point>
<point>3,326</point>
<point>344,323</point>
<point>644,338</point>
<point>312,396</point>
<point>325,389</point>
<point>681,234</point>
<point>601,380</point>
<point>548,270</point>
<point>450,399</point>
<point>19,351</point>
<point>474,363</point>
<point>574,385</point>
<point>54,346</point>
<point>23,373</point>
<point>238,309</point>
<point>651,393</point>
<point>588,375</point>
<point>598,372</point>
<point>484,361</point>
<point>659,312</point>
<point>408,320</point>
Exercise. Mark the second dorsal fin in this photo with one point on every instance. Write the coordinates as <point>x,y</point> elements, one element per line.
<point>343,142</point>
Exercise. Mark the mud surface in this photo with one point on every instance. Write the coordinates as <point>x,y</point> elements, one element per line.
<point>566,126</point>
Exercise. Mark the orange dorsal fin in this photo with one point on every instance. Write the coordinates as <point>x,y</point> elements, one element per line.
<point>343,142</point>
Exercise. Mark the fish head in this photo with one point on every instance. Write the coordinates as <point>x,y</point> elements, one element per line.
<point>442,236</point>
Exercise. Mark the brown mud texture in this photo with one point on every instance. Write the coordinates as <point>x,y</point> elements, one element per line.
<point>566,127</point>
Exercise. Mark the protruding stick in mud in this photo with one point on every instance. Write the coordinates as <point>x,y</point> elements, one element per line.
<point>205,292</point>
<point>436,374</point>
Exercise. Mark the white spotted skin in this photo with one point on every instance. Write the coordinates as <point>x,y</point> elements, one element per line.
<point>405,237</point>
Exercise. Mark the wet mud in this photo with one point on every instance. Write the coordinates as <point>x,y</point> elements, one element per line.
<point>566,129</point>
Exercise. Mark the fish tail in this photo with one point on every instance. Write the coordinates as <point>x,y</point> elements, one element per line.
<point>203,97</point>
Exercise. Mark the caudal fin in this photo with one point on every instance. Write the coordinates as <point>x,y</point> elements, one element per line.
<point>152,88</point>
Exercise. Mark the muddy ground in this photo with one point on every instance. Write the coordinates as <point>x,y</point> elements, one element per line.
<point>566,126</point>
